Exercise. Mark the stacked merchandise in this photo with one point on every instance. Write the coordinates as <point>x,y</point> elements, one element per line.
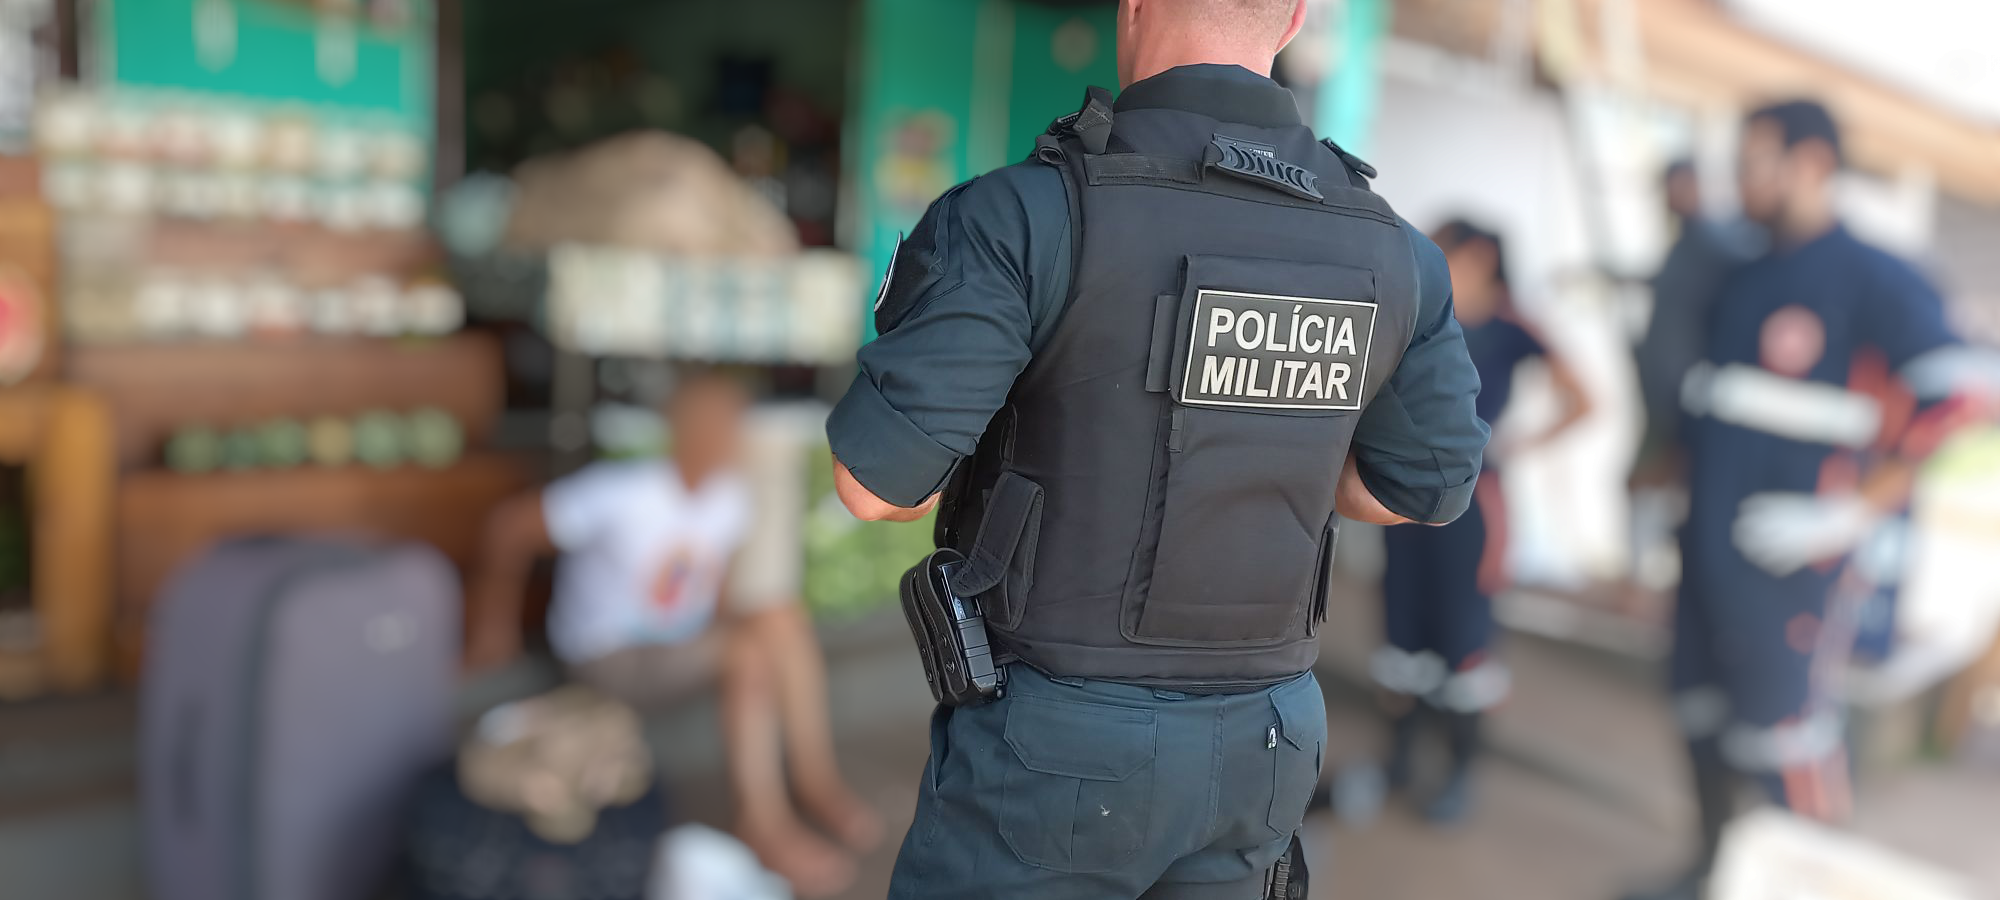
<point>170,304</point>
<point>381,439</point>
<point>656,248</point>
<point>613,302</point>
<point>213,157</point>
<point>203,215</point>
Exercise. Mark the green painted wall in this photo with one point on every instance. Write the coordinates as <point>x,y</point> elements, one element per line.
<point>1347,98</point>
<point>153,43</point>
<point>1045,86</point>
<point>948,89</point>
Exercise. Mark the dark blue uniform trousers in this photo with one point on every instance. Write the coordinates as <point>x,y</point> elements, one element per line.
<point>1067,788</point>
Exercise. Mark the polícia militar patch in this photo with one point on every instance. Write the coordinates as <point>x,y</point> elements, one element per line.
<point>1265,351</point>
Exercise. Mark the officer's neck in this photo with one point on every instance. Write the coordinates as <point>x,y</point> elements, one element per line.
<point>1153,59</point>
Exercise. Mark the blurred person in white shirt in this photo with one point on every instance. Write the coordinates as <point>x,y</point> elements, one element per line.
<point>643,611</point>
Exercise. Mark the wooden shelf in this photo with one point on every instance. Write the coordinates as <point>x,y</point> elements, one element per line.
<point>152,389</point>
<point>310,253</point>
<point>165,518</point>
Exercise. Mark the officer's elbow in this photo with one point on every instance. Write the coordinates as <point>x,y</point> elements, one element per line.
<point>864,505</point>
<point>870,509</point>
<point>1353,500</point>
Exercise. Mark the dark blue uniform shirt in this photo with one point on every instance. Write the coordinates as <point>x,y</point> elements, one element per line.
<point>1497,346</point>
<point>991,264</point>
<point>1804,314</point>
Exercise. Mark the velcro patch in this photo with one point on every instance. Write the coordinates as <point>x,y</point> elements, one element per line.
<point>1263,351</point>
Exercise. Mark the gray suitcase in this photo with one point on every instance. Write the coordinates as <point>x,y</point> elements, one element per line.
<point>295,691</point>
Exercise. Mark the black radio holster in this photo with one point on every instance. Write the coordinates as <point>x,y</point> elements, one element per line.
<point>950,630</point>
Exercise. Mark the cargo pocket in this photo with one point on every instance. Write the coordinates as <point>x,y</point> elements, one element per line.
<point>1236,559</point>
<point>1269,372</point>
<point>1078,796</point>
<point>1299,712</point>
<point>1000,569</point>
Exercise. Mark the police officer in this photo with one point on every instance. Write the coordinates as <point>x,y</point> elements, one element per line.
<point>1139,374</point>
<point>1829,372</point>
<point>1438,583</point>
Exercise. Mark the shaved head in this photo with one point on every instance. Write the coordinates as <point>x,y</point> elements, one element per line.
<point>1157,35</point>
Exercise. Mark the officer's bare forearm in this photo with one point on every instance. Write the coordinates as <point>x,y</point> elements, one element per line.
<point>867,507</point>
<point>1355,502</point>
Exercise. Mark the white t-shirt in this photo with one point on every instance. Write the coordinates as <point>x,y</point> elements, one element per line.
<point>643,557</point>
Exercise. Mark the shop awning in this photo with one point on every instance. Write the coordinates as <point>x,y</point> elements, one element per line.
<point>1696,53</point>
<point>1693,52</point>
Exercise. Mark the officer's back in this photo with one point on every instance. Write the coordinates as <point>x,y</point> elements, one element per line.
<point>1128,371</point>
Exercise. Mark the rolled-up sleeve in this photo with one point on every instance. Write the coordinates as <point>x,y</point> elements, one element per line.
<point>891,457</point>
<point>958,322</point>
<point>1418,445</point>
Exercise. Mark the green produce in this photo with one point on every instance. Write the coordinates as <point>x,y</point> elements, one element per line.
<point>435,440</point>
<point>380,440</point>
<point>241,449</point>
<point>853,567</point>
<point>194,449</point>
<point>282,443</point>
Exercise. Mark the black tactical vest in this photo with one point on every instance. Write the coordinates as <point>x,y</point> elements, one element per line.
<point>1155,504</point>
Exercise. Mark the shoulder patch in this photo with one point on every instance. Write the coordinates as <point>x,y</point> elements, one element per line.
<point>919,265</point>
<point>1792,341</point>
<point>889,275</point>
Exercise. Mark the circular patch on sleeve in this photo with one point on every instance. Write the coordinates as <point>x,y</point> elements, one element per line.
<point>1793,341</point>
<point>889,274</point>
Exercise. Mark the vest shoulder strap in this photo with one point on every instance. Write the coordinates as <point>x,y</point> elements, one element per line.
<point>1065,147</point>
<point>1090,124</point>
<point>1359,172</point>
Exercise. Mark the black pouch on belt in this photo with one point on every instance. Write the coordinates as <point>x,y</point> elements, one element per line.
<point>951,633</point>
<point>1287,878</point>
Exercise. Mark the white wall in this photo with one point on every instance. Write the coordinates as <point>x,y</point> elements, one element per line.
<point>1505,157</point>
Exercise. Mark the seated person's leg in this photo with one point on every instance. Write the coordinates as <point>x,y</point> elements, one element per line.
<point>752,736</point>
<point>785,631</point>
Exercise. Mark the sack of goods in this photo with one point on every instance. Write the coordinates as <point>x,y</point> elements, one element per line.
<point>647,191</point>
<point>553,798</point>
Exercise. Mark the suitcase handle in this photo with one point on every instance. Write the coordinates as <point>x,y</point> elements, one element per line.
<point>182,776</point>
